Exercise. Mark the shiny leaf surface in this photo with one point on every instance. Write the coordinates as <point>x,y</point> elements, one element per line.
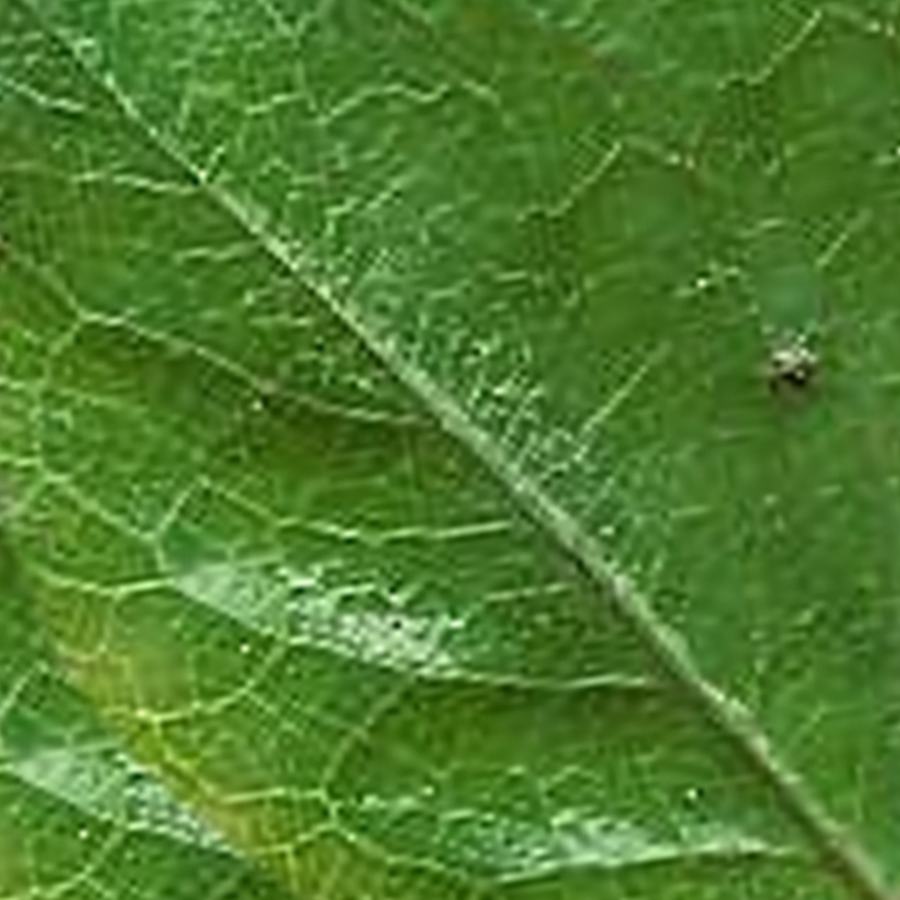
<point>448,449</point>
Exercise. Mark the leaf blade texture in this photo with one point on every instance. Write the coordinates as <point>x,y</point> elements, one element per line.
<point>391,474</point>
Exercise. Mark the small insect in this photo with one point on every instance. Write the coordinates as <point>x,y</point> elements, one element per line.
<point>792,366</point>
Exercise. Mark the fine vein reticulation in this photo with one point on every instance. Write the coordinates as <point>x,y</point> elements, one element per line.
<point>583,548</point>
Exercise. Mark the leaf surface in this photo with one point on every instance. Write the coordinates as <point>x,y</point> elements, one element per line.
<point>397,502</point>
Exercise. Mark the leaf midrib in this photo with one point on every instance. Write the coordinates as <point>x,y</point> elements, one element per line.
<point>838,850</point>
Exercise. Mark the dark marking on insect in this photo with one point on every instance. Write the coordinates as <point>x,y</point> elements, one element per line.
<point>792,367</point>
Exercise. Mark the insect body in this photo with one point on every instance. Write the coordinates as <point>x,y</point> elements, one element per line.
<point>792,366</point>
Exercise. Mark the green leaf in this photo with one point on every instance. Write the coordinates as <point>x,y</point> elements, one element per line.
<point>403,491</point>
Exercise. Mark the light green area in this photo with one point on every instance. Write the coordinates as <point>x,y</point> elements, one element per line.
<point>394,502</point>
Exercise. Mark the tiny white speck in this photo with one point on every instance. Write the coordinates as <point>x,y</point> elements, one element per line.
<point>245,647</point>
<point>83,834</point>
